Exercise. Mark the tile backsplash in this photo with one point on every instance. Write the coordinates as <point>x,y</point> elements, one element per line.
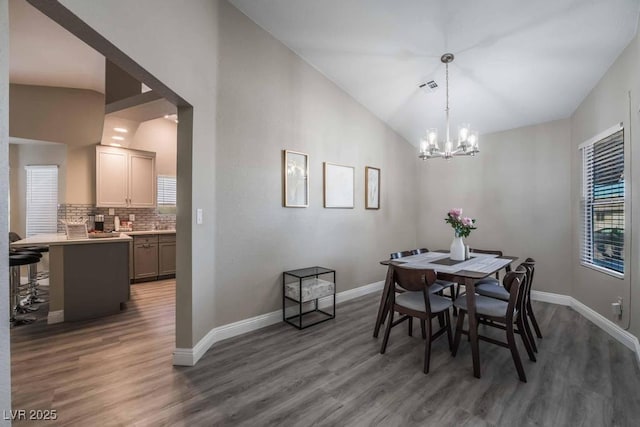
<point>146,218</point>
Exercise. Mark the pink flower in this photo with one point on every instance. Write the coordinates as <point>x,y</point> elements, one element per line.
<point>467,221</point>
<point>455,212</point>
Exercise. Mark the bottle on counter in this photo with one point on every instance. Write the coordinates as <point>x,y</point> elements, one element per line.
<point>116,223</point>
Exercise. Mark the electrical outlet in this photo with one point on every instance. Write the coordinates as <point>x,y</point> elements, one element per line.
<point>112,211</point>
<point>132,217</point>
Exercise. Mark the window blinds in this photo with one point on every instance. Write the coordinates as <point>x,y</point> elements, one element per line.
<point>42,199</point>
<point>603,203</point>
<point>166,190</point>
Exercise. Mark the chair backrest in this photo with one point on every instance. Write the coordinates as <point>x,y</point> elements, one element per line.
<point>413,279</point>
<point>14,237</point>
<point>419,251</point>
<point>396,255</point>
<point>513,282</point>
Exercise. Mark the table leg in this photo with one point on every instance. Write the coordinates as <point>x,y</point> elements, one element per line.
<point>473,325</point>
<point>384,298</point>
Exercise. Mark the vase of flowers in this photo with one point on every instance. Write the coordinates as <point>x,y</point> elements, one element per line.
<point>462,227</point>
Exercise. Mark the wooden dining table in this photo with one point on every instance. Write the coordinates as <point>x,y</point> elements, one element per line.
<point>467,278</point>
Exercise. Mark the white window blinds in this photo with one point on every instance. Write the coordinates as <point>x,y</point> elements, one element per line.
<point>603,202</point>
<point>166,190</point>
<point>42,199</point>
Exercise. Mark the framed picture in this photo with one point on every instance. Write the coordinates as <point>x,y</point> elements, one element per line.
<point>295,174</point>
<point>371,188</point>
<point>339,184</point>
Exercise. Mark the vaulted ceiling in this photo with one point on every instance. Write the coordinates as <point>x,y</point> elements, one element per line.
<point>517,62</point>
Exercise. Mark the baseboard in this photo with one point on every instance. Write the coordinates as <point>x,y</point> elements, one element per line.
<point>552,298</point>
<point>190,356</point>
<point>624,337</point>
<point>55,317</point>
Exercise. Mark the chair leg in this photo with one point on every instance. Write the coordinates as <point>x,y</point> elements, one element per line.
<point>447,318</point>
<point>440,321</point>
<point>386,333</point>
<point>422,327</point>
<point>532,316</point>
<point>427,348</point>
<point>514,353</point>
<point>526,338</point>
<point>527,328</point>
<point>455,290</point>
<point>456,339</point>
<point>410,326</point>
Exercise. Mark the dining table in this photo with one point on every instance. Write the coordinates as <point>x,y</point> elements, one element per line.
<point>466,273</point>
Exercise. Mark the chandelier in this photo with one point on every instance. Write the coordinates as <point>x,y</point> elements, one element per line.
<point>467,139</point>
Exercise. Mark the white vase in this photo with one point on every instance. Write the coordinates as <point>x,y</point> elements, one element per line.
<point>457,249</point>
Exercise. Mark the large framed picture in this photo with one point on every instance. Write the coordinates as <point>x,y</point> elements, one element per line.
<point>295,174</point>
<point>371,188</point>
<point>339,184</point>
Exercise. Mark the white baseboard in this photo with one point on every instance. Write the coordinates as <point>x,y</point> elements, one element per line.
<point>624,337</point>
<point>190,356</point>
<point>55,317</point>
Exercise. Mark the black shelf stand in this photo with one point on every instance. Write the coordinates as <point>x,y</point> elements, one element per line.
<point>300,275</point>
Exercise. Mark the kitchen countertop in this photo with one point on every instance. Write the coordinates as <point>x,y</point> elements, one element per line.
<point>61,239</point>
<point>147,232</point>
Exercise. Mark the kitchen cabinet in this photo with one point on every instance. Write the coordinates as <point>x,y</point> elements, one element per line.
<point>145,257</point>
<point>154,256</point>
<point>125,178</point>
<point>167,255</point>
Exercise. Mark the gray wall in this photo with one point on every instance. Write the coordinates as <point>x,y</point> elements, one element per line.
<point>5,355</point>
<point>518,188</point>
<point>270,100</point>
<point>608,104</point>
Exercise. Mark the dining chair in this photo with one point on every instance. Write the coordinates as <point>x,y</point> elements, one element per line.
<point>495,290</point>
<point>419,251</point>
<point>417,301</point>
<point>501,314</point>
<point>396,255</point>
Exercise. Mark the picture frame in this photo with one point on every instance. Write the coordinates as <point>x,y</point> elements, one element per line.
<point>295,177</point>
<point>339,186</point>
<point>371,187</point>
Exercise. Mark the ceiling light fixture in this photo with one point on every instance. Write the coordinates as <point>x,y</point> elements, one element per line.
<point>113,144</point>
<point>118,138</point>
<point>121,130</point>
<point>467,139</point>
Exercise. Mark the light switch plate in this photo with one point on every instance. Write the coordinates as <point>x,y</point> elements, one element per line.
<point>198,216</point>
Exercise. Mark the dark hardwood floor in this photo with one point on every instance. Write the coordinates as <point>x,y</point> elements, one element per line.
<point>117,371</point>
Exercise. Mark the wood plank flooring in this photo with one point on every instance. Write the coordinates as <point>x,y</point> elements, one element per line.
<point>117,371</point>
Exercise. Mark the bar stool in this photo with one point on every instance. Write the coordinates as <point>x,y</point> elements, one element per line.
<point>16,289</point>
<point>33,277</point>
<point>14,237</point>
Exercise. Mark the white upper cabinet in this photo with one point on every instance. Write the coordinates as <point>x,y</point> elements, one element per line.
<point>125,178</point>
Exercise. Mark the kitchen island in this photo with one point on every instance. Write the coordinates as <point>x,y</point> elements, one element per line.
<point>88,278</point>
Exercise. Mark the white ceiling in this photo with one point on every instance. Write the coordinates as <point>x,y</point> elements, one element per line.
<point>518,62</point>
<point>43,53</point>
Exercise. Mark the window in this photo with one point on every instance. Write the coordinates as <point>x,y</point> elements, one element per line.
<point>166,194</point>
<point>603,202</point>
<point>42,199</point>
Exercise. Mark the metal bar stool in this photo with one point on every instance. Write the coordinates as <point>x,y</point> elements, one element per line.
<point>16,316</point>
<point>33,286</point>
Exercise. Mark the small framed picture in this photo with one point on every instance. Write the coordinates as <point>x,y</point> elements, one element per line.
<point>339,185</point>
<point>295,175</point>
<point>371,188</point>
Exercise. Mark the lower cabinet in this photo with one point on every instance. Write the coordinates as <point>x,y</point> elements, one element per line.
<point>154,256</point>
<point>167,255</point>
